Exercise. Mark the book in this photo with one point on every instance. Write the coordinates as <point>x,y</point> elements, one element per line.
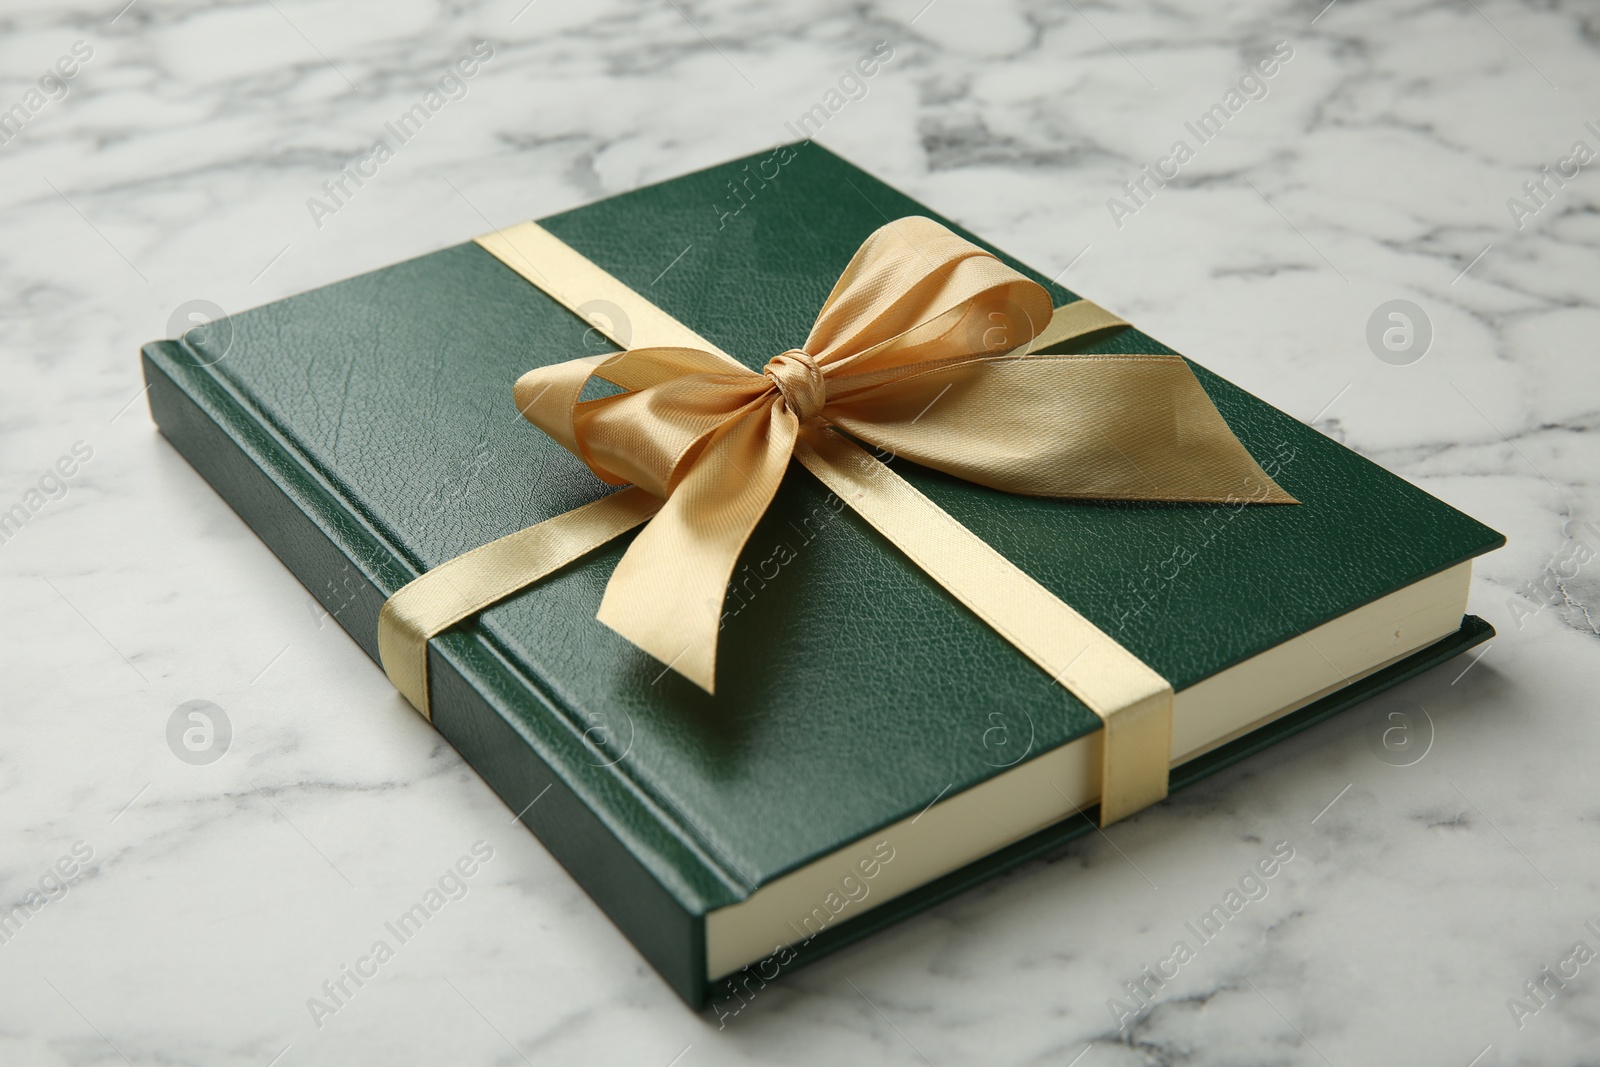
<point>872,747</point>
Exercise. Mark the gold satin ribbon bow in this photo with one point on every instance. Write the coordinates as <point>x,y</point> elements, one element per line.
<point>928,348</point>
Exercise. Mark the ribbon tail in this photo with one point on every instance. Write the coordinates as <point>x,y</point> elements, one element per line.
<point>666,594</point>
<point>1090,426</point>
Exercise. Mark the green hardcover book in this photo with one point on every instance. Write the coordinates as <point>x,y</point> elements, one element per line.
<point>872,747</point>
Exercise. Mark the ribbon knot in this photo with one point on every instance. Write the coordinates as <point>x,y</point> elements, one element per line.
<point>800,382</point>
<point>901,356</point>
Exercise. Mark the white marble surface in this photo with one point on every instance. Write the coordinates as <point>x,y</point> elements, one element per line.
<point>216,899</point>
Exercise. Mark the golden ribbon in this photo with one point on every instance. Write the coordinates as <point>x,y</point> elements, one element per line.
<point>928,347</point>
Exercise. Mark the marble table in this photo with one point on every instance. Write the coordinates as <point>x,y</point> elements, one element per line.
<point>189,908</point>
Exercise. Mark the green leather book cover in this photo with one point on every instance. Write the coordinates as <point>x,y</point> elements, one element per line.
<point>367,432</point>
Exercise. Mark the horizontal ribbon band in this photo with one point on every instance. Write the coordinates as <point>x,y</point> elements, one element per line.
<point>915,352</point>
<point>466,585</point>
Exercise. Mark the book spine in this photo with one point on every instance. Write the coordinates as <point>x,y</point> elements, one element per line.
<point>657,889</point>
